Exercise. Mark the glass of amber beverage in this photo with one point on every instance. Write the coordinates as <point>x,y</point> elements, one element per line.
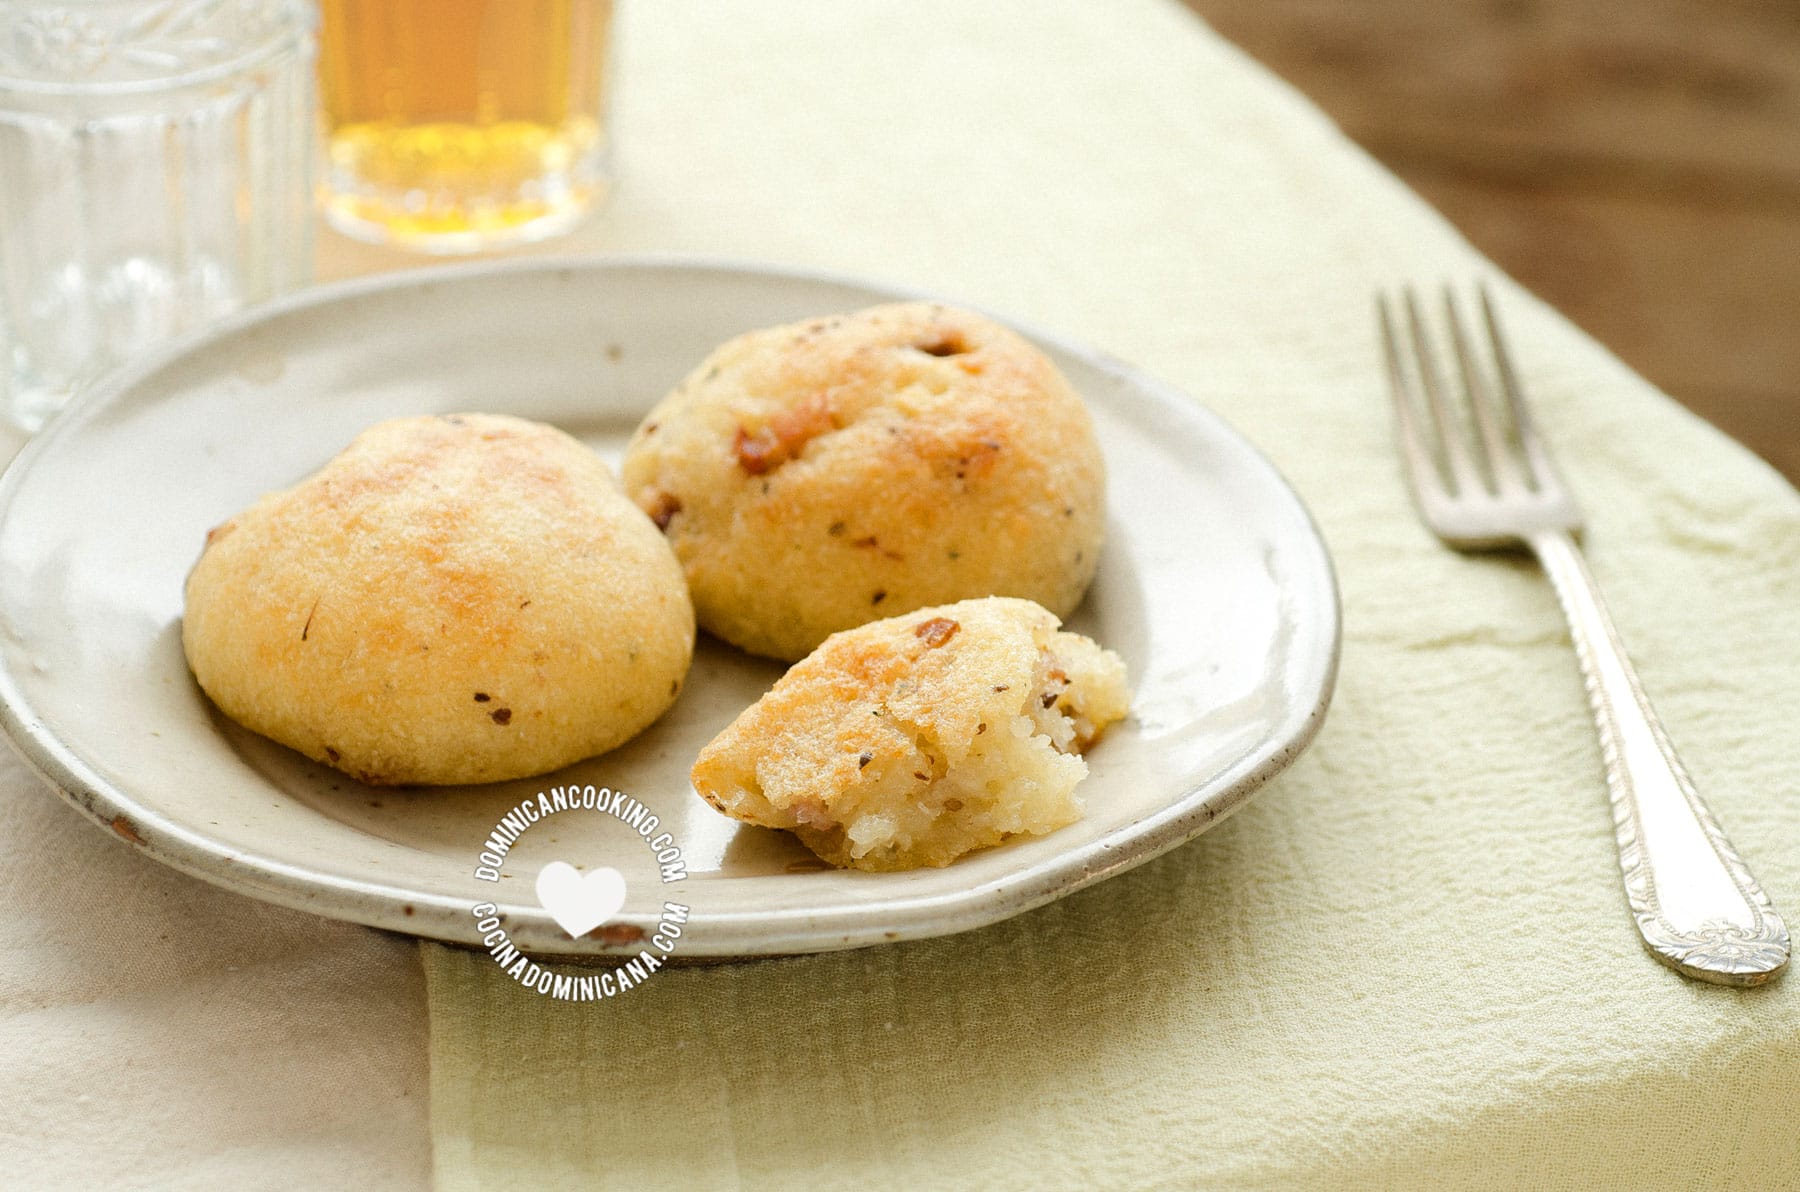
<point>460,125</point>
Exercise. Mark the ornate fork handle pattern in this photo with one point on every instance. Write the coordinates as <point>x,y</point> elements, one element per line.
<point>1697,905</point>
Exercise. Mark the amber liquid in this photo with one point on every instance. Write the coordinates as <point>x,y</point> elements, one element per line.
<point>457,125</point>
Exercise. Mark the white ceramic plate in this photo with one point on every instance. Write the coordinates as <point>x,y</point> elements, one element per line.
<point>1214,586</point>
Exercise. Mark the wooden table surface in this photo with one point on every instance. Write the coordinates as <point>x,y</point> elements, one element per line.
<point>1636,165</point>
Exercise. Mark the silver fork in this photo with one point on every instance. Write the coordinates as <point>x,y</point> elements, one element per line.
<point>1483,480</point>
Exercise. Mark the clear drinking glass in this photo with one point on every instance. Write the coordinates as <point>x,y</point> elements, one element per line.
<point>155,172</point>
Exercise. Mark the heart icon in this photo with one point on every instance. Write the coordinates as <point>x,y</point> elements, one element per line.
<point>580,903</point>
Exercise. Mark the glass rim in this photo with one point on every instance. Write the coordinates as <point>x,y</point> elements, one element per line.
<point>288,36</point>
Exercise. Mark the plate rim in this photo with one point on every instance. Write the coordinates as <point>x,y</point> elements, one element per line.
<point>377,904</point>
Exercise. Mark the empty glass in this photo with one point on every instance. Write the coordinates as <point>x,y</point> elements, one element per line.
<point>155,163</point>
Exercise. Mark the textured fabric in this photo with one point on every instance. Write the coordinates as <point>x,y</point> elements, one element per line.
<point>1405,963</point>
<point>158,1032</point>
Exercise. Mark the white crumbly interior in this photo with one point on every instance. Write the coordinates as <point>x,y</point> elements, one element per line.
<point>1017,778</point>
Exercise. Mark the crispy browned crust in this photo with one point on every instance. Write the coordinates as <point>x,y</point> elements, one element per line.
<point>909,698</point>
<point>455,599</point>
<point>820,475</point>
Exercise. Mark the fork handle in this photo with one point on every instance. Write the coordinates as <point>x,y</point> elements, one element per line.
<point>1697,905</point>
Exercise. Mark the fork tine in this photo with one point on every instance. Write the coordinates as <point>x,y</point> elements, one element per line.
<point>1421,465</point>
<point>1456,451</point>
<point>1502,464</point>
<point>1543,472</point>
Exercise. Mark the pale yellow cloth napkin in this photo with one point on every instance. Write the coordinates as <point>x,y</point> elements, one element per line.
<point>1405,963</point>
<point>158,1032</point>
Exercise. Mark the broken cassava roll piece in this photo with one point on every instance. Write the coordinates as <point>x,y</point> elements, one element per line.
<point>911,741</point>
<point>818,476</point>
<point>459,599</point>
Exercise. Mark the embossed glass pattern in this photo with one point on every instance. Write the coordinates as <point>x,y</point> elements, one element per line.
<point>155,164</point>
